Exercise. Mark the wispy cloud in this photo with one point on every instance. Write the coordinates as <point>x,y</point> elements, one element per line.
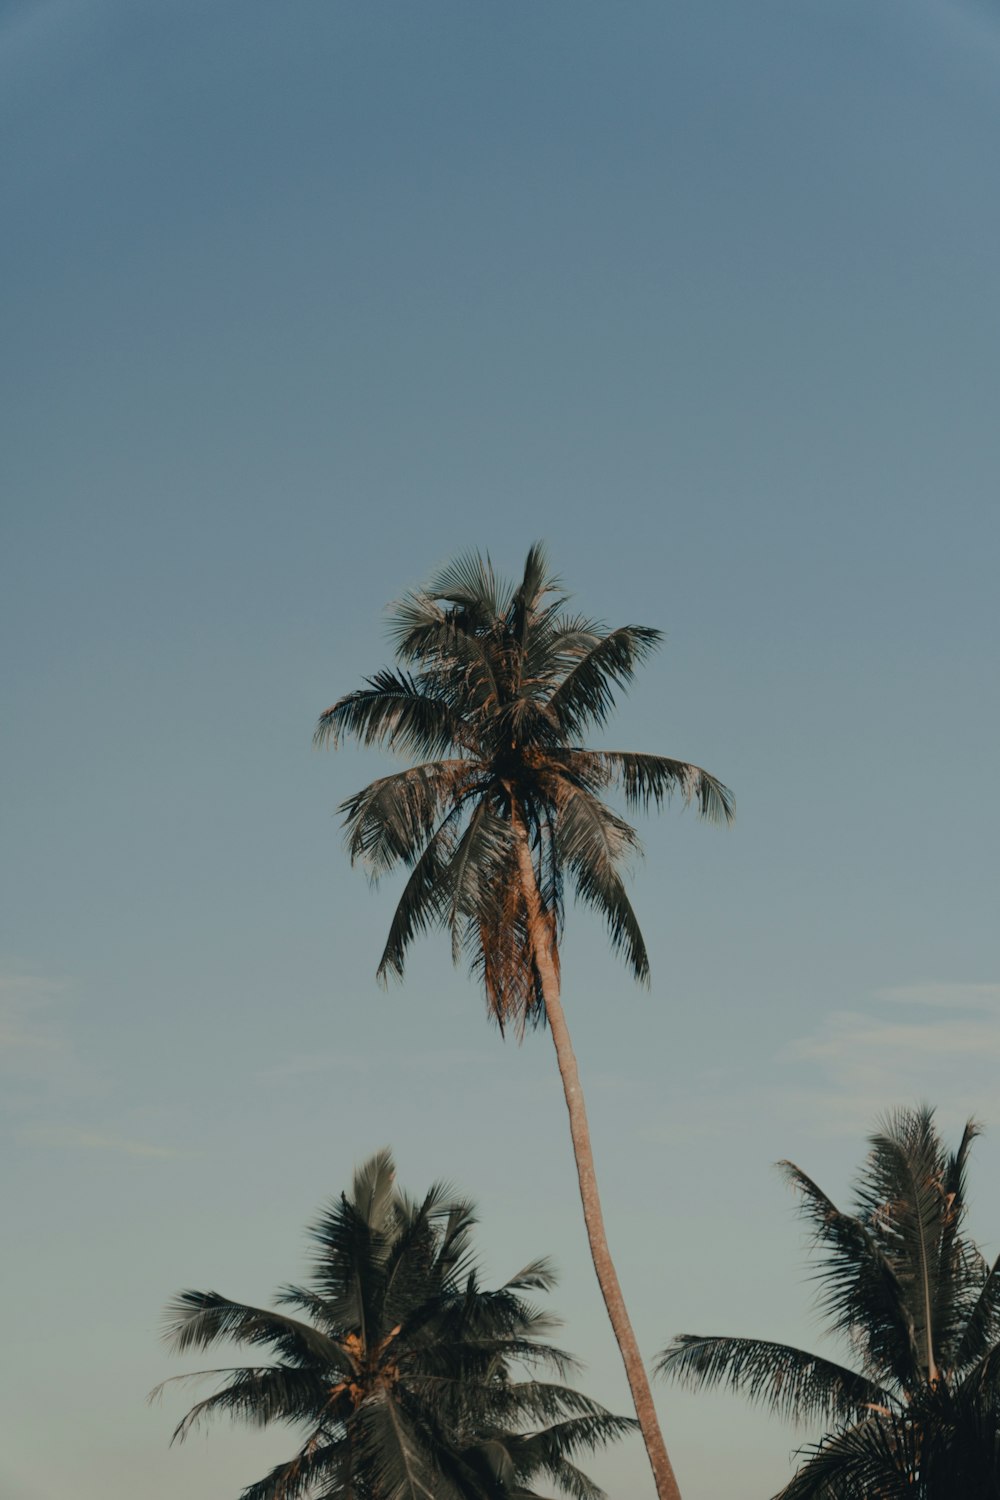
<point>74,1138</point>
<point>944,996</point>
<point>933,1041</point>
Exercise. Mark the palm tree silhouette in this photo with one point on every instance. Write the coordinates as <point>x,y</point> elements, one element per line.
<point>398,1365</point>
<point>495,686</point>
<point>919,1307</point>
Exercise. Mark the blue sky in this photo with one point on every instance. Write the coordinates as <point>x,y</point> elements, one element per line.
<point>299,301</point>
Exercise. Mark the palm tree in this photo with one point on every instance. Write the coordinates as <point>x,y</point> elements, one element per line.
<point>919,1307</point>
<point>495,686</point>
<point>399,1367</point>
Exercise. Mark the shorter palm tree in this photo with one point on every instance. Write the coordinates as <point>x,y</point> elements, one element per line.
<point>399,1371</point>
<point>919,1307</point>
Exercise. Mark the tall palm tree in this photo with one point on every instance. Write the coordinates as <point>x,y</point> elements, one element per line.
<point>496,685</point>
<point>919,1308</point>
<point>399,1369</point>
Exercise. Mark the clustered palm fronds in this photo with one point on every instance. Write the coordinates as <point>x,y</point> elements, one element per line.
<point>918,1305</point>
<point>399,1371</point>
<point>495,686</point>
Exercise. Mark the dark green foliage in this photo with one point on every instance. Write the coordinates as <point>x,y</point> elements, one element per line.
<point>495,684</point>
<point>919,1308</point>
<point>398,1370</point>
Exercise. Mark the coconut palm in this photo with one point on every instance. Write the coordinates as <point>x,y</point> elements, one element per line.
<point>495,686</point>
<point>396,1367</point>
<point>919,1308</point>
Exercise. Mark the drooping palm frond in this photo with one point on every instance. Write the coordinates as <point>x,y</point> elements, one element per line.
<point>655,778</point>
<point>791,1383</point>
<point>198,1320</point>
<point>404,1380</point>
<point>259,1396</point>
<point>586,695</point>
<point>593,842</point>
<point>391,820</point>
<point>394,710</point>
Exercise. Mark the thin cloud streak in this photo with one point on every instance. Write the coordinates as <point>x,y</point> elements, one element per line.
<point>74,1138</point>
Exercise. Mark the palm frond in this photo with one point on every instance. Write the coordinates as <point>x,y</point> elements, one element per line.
<point>259,1397</point>
<point>859,1290</point>
<point>396,710</point>
<point>593,842</point>
<point>586,694</point>
<point>389,821</point>
<point>981,1335</point>
<point>426,897</point>
<point>878,1457</point>
<point>903,1198</point>
<point>789,1382</point>
<point>655,778</point>
<point>399,1463</point>
<point>197,1320</point>
<point>319,1468</point>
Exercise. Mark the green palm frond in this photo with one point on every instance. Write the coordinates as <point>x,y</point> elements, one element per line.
<point>791,1383</point>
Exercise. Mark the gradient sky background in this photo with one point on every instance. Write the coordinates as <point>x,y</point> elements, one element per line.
<point>299,301</point>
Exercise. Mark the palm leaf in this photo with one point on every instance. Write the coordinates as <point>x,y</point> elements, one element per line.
<point>197,1320</point>
<point>790,1382</point>
<point>859,1289</point>
<point>655,778</point>
<point>593,841</point>
<point>394,710</point>
<point>586,694</point>
<point>391,820</point>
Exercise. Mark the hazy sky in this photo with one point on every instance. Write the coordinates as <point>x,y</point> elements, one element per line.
<point>300,300</point>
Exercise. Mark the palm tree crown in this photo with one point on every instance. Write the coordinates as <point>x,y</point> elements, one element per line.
<point>919,1307</point>
<point>495,685</point>
<point>398,1368</point>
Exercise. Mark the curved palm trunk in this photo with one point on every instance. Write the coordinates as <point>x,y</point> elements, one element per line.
<point>607,1277</point>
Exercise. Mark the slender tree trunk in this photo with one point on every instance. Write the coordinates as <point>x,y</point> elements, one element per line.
<point>542,940</point>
